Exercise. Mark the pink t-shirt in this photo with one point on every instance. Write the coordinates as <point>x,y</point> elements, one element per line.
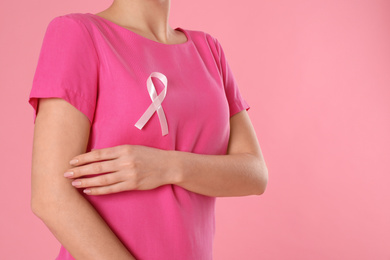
<point>102,69</point>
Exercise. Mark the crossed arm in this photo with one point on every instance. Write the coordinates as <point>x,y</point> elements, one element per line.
<point>61,133</point>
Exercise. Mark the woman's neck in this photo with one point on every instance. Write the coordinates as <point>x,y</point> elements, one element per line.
<point>148,17</point>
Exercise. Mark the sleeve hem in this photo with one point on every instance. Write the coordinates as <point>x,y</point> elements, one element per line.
<point>238,107</point>
<point>79,102</point>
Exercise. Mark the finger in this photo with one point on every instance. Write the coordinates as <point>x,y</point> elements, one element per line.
<point>98,181</point>
<point>114,188</point>
<point>92,168</point>
<point>108,153</point>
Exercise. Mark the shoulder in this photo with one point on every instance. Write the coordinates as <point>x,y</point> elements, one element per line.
<point>71,28</point>
<point>71,22</point>
<point>68,33</point>
<point>76,17</point>
<point>199,34</point>
<point>201,37</point>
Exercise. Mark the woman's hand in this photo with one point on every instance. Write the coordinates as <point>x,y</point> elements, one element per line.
<point>126,167</point>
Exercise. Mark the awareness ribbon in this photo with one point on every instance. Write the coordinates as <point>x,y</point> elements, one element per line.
<point>156,103</point>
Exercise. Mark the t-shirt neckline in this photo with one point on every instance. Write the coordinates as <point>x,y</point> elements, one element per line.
<point>189,40</point>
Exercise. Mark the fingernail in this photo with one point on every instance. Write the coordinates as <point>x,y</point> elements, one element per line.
<point>73,161</point>
<point>87,191</point>
<point>68,174</point>
<point>75,183</point>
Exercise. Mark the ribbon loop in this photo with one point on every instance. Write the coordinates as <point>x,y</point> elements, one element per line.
<point>156,103</point>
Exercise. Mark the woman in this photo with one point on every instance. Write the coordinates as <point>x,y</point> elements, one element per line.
<point>155,121</point>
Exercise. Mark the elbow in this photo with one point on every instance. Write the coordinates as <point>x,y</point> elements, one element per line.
<point>36,202</point>
<point>38,207</point>
<point>44,210</point>
<point>262,179</point>
<point>261,187</point>
<point>260,174</point>
<point>35,208</point>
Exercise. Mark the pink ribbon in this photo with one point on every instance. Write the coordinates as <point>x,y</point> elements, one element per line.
<point>156,103</point>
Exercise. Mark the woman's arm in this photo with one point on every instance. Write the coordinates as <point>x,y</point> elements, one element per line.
<point>242,171</point>
<point>61,132</point>
<point>239,173</point>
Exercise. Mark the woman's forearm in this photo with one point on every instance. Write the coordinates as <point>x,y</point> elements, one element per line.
<point>219,175</point>
<point>81,230</point>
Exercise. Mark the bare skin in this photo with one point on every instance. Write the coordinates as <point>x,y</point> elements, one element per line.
<point>128,167</point>
<point>62,132</point>
<point>146,18</point>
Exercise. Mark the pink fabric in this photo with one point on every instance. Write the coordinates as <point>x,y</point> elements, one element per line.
<point>101,69</point>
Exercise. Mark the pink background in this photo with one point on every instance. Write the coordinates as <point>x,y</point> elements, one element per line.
<point>317,77</point>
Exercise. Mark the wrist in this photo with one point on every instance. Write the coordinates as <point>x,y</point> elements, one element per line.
<point>175,169</point>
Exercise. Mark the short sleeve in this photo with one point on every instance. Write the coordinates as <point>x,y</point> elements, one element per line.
<point>67,66</point>
<point>236,102</point>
